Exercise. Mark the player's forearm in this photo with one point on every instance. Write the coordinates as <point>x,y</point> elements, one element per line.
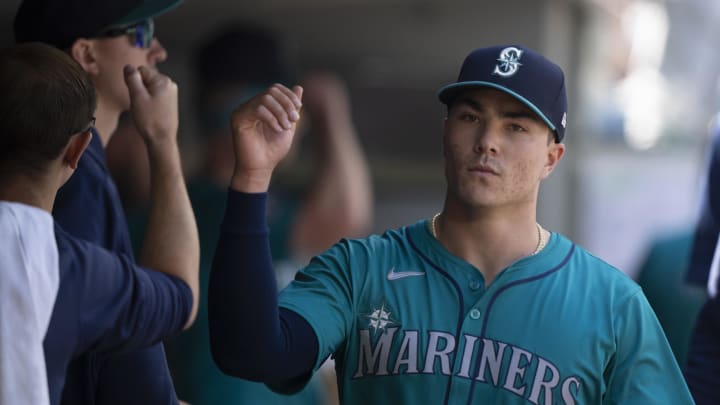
<point>248,335</point>
<point>171,243</point>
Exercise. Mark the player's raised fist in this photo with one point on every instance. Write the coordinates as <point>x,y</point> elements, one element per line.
<point>263,129</point>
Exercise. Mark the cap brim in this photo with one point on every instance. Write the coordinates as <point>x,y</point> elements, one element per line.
<point>448,93</point>
<point>148,9</point>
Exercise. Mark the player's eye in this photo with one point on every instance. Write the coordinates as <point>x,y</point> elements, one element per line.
<point>467,117</point>
<point>514,127</point>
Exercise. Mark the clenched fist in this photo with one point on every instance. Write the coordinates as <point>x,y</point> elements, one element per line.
<point>263,129</point>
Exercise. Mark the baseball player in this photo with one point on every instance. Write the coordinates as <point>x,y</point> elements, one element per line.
<point>476,304</point>
<point>63,297</point>
<point>103,37</point>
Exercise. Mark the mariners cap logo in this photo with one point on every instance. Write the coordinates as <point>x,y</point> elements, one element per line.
<point>509,62</point>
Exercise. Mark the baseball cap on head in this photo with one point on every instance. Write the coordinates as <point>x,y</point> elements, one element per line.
<point>520,72</point>
<point>61,22</point>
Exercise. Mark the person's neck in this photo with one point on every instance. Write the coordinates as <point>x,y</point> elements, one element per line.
<point>491,240</point>
<point>31,191</point>
<point>106,121</point>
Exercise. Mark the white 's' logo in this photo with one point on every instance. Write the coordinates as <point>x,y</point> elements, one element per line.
<point>509,62</point>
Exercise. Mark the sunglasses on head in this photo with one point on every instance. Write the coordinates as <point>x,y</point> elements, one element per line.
<point>142,33</point>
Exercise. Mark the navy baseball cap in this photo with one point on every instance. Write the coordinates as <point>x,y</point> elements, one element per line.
<point>520,72</point>
<point>61,22</point>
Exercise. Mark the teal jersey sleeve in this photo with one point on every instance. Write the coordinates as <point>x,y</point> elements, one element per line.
<point>322,294</point>
<point>643,369</point>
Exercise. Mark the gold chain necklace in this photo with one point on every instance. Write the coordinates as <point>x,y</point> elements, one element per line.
<point>542,240</point>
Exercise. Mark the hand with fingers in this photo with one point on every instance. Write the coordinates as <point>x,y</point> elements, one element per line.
<point>263,129</point>
<point>153,103</point>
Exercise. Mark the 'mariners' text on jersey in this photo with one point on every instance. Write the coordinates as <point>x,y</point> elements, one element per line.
<point>486,361</point>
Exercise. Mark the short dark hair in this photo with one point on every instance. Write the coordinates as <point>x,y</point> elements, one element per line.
<point>46,98</point>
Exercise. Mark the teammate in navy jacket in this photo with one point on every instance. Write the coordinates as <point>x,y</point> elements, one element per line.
<point>104,302</point>
<point>103,37</point>
<point>476,304</point>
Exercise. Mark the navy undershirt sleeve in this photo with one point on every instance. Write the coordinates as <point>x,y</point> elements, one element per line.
<point>250,336</point>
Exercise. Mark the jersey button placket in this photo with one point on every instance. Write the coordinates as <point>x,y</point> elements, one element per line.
<point>475,285</point>
<point>475,314</point>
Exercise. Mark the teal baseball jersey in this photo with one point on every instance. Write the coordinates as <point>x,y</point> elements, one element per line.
<point>408,322</point>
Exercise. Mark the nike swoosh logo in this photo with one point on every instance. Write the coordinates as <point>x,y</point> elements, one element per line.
<point>397,275</point>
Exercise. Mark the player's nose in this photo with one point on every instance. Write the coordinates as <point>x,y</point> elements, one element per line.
<point>486,138</point>
<point>157,53</point>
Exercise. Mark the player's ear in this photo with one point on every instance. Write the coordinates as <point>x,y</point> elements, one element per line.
<point>85,54</point>
<point>555,152</point>
<point>77,145</point>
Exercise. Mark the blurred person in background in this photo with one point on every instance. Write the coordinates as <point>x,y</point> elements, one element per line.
<point>674,272</point>
<point>702,370</point>
<point>707,227</point>
<point>316,200</point>
<point>680,278</point>
<point>104,37</point>
<point>675,302</point>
